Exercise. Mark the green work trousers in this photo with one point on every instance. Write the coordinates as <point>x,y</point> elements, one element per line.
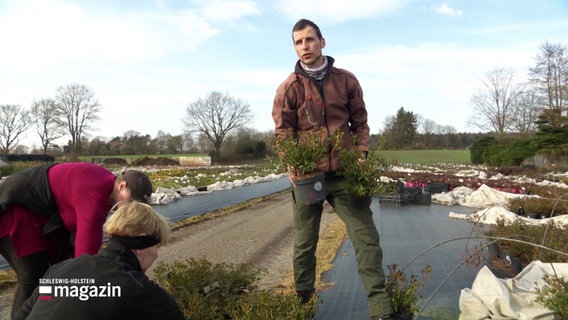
<point>362,233</point>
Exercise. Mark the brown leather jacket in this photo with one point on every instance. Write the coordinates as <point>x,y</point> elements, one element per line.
<point>300,105</point>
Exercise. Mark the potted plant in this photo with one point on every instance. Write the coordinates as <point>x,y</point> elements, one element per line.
<point>554,295</point>
<point>393,194</point>
<point>405,290</point>
<point>362,175</point>
<point>300,154</point>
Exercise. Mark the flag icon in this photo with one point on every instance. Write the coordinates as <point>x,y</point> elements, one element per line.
<point>45,293</point>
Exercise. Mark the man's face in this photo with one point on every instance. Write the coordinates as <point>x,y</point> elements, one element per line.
<point>308,46</point>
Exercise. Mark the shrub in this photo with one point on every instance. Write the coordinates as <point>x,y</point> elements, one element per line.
<point>303,153</point>
<point>540,206</point>
<point>17,166</point>
<point>551,235</point>
<point>504,151</point>
<point>554,295</point>
<point>519,150</point>
<point>362,176</point>
<point>265,304</point>
<point>226,291</point>
<point>405,291</point>
<point>478,149</point>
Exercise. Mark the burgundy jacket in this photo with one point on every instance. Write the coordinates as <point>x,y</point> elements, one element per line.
<point>300,105</point>
<point>81,193</point>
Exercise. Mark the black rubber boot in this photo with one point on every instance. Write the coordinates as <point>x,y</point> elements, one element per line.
<point>305,295</point>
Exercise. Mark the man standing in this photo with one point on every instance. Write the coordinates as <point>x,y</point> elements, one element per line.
<point>318,95</point>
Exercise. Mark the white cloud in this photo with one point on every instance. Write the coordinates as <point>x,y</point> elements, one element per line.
<point>434,80</point>
<point>446,10</point>
<point>39,33</point>
<point>324,11</point>
<point>223,10</point>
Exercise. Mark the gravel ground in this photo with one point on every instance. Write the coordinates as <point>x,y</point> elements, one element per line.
<point>261,234</point>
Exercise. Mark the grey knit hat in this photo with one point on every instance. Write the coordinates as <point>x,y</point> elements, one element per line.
<point>139,185</point>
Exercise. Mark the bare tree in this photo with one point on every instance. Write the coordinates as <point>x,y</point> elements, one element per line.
<point>428,126</point>
<point>188,142</point>
<point>44,115</point>
<point>14,121</point>
<point>215,116</point>
<point>526,111</point>
<point>493,104</point>
<point>77,108</point>
<point>162,141</point>
<point>447,130</point>
<point>166,143</point>
<point>550,75</point>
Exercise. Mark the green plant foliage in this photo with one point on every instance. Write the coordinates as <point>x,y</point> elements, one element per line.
<point>509,151</point>
<point>519,150</point>
<point>436,157</point>
<point>406,290</point>
<point>302,153</point>
<point>17,166</point>
<point>186,176</point>
<point>265,304</point>
<point>552,133</point>
<point>362,175</point>
<point>478,149</point>
<point>540,206</point>
<point>556,238</point>
<point>392,187</point>
<point>232,292</point>
<point>554,295</point>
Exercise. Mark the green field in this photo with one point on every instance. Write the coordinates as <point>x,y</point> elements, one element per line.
<point>139,156</point>
<point>427,156</point>
<point>401,156</point>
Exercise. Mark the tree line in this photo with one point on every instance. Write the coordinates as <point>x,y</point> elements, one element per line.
<point>72,111</point>
<point>217,123</point>
<point>530,117</point>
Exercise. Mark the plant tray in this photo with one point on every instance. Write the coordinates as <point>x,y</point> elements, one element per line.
<point>437,187</point>
<point>394,200</point>
<point>423,199</point>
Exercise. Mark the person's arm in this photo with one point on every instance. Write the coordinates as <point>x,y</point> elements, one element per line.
<point>358,117</point>
<point>91,216</point>
<point>284,109</point>
<point>90,209</point>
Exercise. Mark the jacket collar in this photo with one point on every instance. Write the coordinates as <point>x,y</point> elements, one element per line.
<point>120,253</point>
<point>299,70</point>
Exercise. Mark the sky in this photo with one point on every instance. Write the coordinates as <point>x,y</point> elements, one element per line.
<point>147,60</point>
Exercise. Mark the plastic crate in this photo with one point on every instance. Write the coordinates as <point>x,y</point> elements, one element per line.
<point>412,191</point>
<point>423,199</point>
<point>437,187</point>
<point>394,200</point>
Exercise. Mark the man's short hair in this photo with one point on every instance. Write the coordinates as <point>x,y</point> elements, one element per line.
<point>139,185</point>
<point>303,23</point>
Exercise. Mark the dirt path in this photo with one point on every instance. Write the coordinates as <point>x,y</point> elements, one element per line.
<point>262,234</point>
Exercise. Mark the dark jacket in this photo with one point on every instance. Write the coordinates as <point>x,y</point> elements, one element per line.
<point>29,188</point>
<point>299,104</point>
<point>130,294</point>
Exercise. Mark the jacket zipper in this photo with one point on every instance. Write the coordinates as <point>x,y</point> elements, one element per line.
<point>309,107</point>
<point>329,163</point>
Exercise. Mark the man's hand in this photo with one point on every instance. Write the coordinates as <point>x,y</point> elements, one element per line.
<point>292,175</point>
